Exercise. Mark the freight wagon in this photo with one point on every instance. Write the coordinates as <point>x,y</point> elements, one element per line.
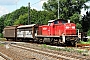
<point>22,32</point>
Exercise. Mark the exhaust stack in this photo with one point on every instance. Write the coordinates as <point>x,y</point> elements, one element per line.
<point>68,21</point>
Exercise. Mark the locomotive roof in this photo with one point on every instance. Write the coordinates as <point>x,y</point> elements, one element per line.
<point>56,20</point>
<point>51,20</point>
<point>24,26</point>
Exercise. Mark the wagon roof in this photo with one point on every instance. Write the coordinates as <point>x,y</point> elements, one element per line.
<point>10,27</point>
<point>25,26</point>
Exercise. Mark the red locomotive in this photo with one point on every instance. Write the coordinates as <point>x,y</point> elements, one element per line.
<point>56,32</point>
<point>59,31</point>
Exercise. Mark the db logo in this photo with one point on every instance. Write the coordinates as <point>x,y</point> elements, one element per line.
<point>44,28</point>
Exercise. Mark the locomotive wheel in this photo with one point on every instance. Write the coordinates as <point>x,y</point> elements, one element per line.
<point>51,40</point>
<point>55,41</point>
<point>41,40</point>
<point>60,41</point>
<point>73,43</point>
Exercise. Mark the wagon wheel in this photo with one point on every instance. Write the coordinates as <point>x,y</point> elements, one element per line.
<point>7,39</point>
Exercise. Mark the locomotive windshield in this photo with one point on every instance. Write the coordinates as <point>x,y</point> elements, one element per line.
<point>55,22</point>
<point>63,22</point>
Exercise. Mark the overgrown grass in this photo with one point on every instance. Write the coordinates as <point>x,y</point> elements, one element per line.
<point>82,42</point>
<point>1,44</point>
<point>85,52</point>
<point>49,47</point>
<point>68,49</point>
<point>2,39</point>
<point>58,49</point>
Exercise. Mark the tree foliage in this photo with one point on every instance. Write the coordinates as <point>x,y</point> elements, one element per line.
<point>86,22</point>
<point>11,17</point>
<point>67,8</point>
<point>36,17</point>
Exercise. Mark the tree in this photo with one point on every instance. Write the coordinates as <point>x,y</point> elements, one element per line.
<point>21,20</point>
<point>1,24</point>
<point>86,22</point>
<point>11,17</point>
<point>36,17</point>
<point>67,9</point>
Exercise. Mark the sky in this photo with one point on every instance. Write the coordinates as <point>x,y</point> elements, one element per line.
<point>7,6</point>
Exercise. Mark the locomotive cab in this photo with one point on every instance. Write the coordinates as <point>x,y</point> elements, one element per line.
<point>54,22</point>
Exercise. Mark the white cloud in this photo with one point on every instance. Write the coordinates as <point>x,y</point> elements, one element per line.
<point>3,10</point>
<point>83,12</point>
<point>34,8</point>
<point>8,2</point>
<point>42,1</point>
<point>4,3</point>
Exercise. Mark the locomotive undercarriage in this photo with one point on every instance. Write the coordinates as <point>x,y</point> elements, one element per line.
<point>72,40</point>
<point>58,40</point>
<point>55,40</point>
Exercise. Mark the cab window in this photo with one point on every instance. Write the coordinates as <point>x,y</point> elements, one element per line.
<point>55,22</point>
<point>63,22</point>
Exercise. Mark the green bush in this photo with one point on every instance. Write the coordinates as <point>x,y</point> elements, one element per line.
<point>82,42</point>
<point>1,35</point>
<point>88,33</point>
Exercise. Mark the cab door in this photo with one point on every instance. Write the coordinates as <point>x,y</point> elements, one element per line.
<point>50,29</point>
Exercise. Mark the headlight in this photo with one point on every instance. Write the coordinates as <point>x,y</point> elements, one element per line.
<point>73,27</point>
<point>67,27</point>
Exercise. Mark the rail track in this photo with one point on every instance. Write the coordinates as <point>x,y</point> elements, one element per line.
<point>54,54</point>
<point>4,57</point>
<point>59,55</point>
<point>14,53</point>
<point>84,46</point>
